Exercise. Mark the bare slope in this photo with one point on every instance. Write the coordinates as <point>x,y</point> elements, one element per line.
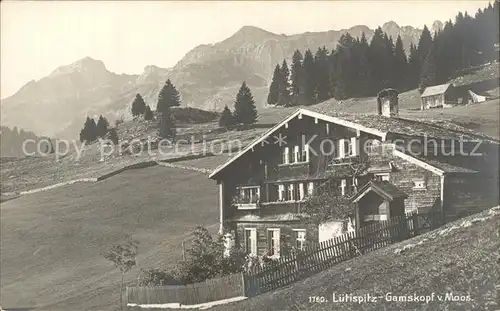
<point>51,241</point>
<point>461,261</point>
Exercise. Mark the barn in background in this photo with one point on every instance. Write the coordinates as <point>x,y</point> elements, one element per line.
<point>438,96</point>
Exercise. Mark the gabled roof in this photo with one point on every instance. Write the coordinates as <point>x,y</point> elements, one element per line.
<point>377,125</point>
<point>435,90</point>
<point>384,189</point>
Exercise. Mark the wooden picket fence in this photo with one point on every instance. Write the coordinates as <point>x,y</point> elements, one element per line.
<point>211,290</point>
<point>318,257</point>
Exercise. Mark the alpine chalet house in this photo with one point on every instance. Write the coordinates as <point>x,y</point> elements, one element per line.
<point>410,165</point>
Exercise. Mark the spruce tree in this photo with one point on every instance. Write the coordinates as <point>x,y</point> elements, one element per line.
<point>148,114</point>
<point>166,126</point>
<point>245,111</point>
<point>400,64</point>
<point>89,131</point>
<point>413,69</point>
<point>138,105</point>
<point>284,86</point>
<point>226,119</point>
<point>102,126</point>
<point>297,79</point>
<point>274,92</point>
<point>424,44</point>
<point>428,74</point>
<point>309,80</point>
<point>168,97</point>
<point>363,68</point>
<point>322,89</point>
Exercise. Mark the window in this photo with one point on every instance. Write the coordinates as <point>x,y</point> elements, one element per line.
<point>250,194</point>
<point>382,177</point>
<point>373,146</point>
<point>273,242</point>
<point>347,186</point>
<point>285,156</point>
<point>251,241</point>
<point>300,238</point>
<point>291,192</point>
<point>295,154</point>
<point>419,184</point>
<point>347,147</point>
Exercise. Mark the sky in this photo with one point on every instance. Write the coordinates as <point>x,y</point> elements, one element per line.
<point>37,37</point>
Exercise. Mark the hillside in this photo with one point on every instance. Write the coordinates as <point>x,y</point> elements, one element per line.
<point>458,259</point>
<point>51,241</point>
<point>207,77</point>
<point>30,173</point>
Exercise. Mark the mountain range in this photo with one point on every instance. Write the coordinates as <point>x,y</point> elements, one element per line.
<point>207,77</point>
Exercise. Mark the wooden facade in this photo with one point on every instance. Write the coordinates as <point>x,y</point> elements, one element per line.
<point>264,188</point>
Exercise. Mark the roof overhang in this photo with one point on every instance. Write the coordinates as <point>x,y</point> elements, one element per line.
<point>298,113</point>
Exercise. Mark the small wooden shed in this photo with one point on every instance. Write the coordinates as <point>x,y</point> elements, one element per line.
<point>438,96</point>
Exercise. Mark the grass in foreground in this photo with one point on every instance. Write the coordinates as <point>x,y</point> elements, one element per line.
<point>51,242</point>
<point>462,262</point>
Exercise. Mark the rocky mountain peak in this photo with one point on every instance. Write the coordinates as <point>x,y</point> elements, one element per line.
<point>86,64</point>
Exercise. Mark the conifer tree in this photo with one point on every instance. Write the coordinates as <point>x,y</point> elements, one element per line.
<point>245,111</point>
<point>363,68</point>
<point>413,72</point>
<point>322,89</point>
<point>428,74</point>
<point>168,97</point>
<point>297,83</point>
<point>274,92</point>
<point>226,119</point>
<point>148,114</point>
<point>166,125</point>
<point>309,80</point>
<point>284,85</point>
<point>400,64</point>
<point>89,131</point>
<point>138,105</point>
<point>424,44</point>
<point>102,126</point>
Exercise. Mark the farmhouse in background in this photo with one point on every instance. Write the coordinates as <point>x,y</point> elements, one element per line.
<point>410,166</point>
<point>438,96</point>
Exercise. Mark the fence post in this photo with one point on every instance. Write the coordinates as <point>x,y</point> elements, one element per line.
<point>243,284</point>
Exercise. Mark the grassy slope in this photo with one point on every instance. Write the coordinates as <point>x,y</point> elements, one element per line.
<point>462,262</point>
<point>38,172</point>
<point>51,241</point>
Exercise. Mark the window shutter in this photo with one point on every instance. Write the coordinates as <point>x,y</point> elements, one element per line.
<point>286,156</point>
<point>343,185</point>
<point>341,153</point>
<point>253,240</point>
<point>310,188</point>
<point>290,189</point>
<point>281,189</point>
<point>301,191</point>
<point>354,146</point>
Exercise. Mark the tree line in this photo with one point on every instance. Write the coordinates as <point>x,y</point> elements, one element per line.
<point>357,68</point>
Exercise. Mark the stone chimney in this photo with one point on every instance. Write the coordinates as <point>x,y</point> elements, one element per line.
<point>387,103</point>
